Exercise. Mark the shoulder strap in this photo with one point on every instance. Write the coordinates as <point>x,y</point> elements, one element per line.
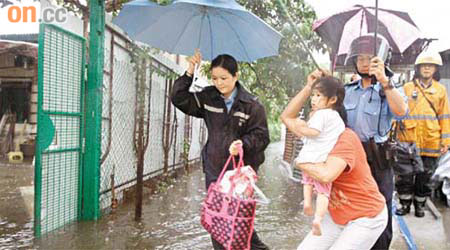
<point>428,100</point>
<point>395,128</point>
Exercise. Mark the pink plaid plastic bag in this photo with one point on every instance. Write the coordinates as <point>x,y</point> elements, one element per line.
<point>228,211</point>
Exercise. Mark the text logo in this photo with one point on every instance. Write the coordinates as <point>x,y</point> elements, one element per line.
<point>26,14</point>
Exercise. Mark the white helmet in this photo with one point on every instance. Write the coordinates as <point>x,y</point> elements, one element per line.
<point>429,57</point>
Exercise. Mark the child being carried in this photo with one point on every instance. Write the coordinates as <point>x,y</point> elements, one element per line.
<point>321,133</point>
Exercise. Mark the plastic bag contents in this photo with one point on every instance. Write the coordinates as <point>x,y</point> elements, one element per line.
<point>243,182</point>
<point>198,83</point>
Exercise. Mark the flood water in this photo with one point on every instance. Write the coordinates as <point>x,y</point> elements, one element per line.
<point>16,226</point>
<point>171,219</point>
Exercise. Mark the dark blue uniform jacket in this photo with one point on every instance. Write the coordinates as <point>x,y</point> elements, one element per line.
<point>246,121</point>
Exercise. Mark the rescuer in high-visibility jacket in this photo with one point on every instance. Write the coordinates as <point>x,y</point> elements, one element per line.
<point>427,124</point>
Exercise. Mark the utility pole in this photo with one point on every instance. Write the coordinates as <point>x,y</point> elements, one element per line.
<point>91,172</point>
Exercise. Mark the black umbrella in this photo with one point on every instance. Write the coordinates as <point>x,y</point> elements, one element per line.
<point>340,29</point>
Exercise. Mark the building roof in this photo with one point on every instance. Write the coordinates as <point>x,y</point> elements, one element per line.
<point>31,38</point>
<point>445,52</point>
<point>20,48</point>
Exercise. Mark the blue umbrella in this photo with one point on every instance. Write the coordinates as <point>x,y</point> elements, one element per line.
<point>214,26</point>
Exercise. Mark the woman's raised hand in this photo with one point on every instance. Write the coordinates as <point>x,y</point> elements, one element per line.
<point>315,75</point>
<point>193,60</point>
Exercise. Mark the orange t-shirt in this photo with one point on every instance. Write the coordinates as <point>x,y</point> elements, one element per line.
<point>354,193</point>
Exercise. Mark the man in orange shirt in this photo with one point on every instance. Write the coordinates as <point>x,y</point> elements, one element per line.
<point>357,213</point>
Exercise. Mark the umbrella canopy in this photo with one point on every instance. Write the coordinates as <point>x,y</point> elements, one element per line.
<point>214,26</point>
<point>340,29</point>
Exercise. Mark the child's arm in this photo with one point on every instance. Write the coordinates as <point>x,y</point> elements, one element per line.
<point>304,130</point>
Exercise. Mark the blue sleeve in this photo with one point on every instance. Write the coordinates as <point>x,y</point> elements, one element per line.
<point>405,99</point>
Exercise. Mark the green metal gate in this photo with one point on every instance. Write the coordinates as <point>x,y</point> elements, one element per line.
<point>59,148</point>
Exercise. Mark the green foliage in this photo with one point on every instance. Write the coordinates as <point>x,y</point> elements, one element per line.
<point>185,153</point>
<point>81,8</point>
<point>275,79</point>
<point>275,130</point>
<point>162,2</point>
<point>5,3</point>
<point>164,184</point>
<point>144,53</point>
<point>75,7</point>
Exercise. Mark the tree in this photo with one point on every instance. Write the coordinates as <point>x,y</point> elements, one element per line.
<point>6,3</point>
<point>277,78</point>
<point>288,69</point>
<point>81,9</point>
<point>273,79</point>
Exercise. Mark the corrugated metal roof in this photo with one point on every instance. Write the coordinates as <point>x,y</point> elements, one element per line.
<point>20,48</point>
<point>31,38</point>
<point>445,52</point>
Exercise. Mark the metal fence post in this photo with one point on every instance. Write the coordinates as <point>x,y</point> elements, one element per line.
<point>91,170</point>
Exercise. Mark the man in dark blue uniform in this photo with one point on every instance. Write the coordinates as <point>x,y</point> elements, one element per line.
<point>371,105</point>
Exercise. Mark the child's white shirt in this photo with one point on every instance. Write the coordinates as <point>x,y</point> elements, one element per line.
<point>316,149</point>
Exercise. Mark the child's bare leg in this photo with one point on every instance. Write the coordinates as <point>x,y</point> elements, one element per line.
<point>307,200</point>
<point>321,209</point>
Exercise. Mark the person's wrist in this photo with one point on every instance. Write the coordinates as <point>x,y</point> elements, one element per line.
<point>387,84</point>
<point>190,74</point>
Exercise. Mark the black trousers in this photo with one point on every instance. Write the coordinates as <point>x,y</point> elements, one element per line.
<point>255,243</point>
<point>418,185</point>
<point>384,177</point>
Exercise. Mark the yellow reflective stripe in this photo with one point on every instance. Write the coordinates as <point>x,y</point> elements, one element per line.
<point>429,150</point>
<point>420,117</point>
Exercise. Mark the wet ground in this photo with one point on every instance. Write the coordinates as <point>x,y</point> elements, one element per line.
<point>171,219</point>
<point>16,226</point>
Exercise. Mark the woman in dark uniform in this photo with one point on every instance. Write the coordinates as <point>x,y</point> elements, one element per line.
<point>232,115</point>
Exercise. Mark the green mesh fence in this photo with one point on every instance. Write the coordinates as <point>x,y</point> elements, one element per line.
<point>60,128</point>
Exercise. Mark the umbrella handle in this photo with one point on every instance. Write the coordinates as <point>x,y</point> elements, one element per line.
<point>196,69</point>
<point>196,74</point>
<point>198,83</point>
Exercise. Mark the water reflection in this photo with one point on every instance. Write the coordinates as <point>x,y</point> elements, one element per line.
<point>171,220</point>
<point>16,227</point>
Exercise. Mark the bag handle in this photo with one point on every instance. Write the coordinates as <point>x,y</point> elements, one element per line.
<point>397,126</point>
<point>231,157</point>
